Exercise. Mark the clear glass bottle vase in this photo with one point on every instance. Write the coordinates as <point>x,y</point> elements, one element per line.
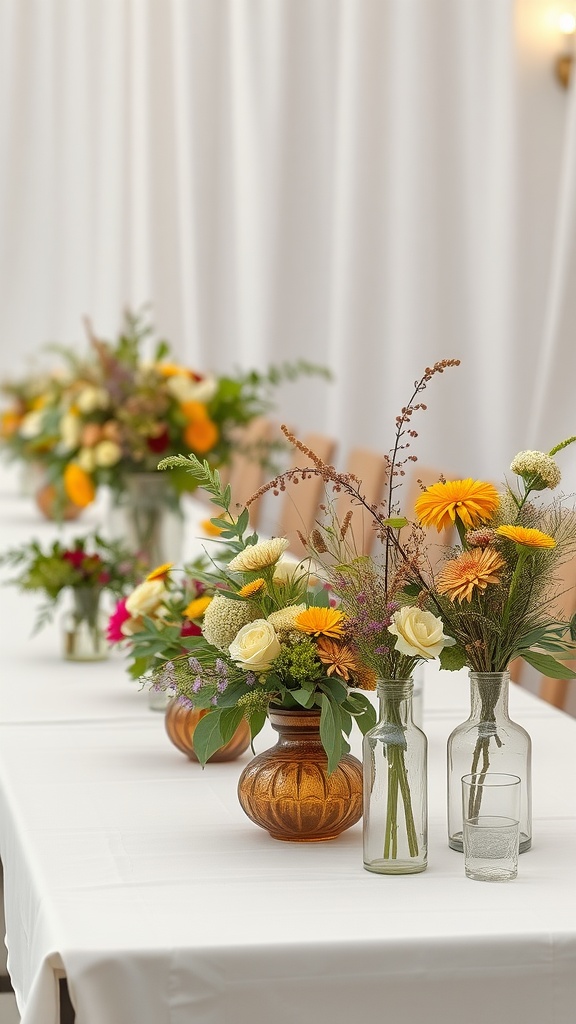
<point>489,741</point>
<point>395,823</point>
<point>147,516</point>
<point>84,627</point>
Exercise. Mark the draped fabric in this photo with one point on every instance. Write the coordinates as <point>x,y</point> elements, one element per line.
<point>355,182</point>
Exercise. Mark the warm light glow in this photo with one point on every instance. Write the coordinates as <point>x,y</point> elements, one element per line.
<point>567,23</point>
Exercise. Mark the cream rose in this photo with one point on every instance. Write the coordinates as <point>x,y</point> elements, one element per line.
<point>85,459</point>
<point>419,633</point>
<point>31,425</point>
<point>92,398</point>
<point>70,431</point>
<point>146,597</point>
<point>185,389</point>
<point>107,453</point>
<point>255,646</point>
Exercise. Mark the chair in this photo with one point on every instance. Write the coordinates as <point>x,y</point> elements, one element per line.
<point>370,468</point>
<point>300,502</point>
<point>247,472</point>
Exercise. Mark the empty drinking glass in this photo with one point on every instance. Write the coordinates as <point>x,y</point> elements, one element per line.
<point>491,815</point>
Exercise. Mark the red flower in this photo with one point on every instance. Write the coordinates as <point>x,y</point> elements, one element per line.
<point>159,443</point>
<point>190,629</point>
<point>114,634</point>
<point>75,557</point>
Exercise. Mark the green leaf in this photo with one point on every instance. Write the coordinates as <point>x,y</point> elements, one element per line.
<point>547,665</point>
<point>396,522</point>
<point>207,736</point>
<point>573,628</point>
<point>453,658</point>
<point>330,732</point>
<point>304,697</point>
<point>229,721</point>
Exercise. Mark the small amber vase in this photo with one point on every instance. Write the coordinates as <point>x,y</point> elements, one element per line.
<point>181,722</point>
<point>287,789</point>
<point>54,507</point>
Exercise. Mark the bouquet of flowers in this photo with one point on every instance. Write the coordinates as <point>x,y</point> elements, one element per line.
<point>114,412</point>
<point>155,619</point>
<point>88,565</point>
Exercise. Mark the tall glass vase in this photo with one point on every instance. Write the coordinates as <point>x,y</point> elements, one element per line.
<point>395,786</point>
<point>148,518</point>
<point>84,627</point>
<point>489,741</point>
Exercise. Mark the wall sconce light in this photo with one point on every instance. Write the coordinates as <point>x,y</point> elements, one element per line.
<point>563,64</point>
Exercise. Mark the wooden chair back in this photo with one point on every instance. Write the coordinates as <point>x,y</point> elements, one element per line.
<point>371,470</point>
<point>247,473</point>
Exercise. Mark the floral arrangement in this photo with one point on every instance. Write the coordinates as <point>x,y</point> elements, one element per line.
<point>499,588</point>
<point>155,619</point>
<point>307,634</point>
<point>114,412</point>
<point>88,566</point>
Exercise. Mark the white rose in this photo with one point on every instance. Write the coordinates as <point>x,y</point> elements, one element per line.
<point>85,459</point>
<point>419,633</point>
<point>255,646</point>
<point>184,389</point>
<point>69,431</point>
<point>146,597</point>
<point>107,453</point>
<point>92,398</point>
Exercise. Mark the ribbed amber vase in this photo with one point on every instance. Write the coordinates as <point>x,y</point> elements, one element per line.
<point>181,722</point>
<point>287,790</point>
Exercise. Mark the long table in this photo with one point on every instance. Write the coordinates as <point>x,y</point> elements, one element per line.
<point>135,874</point>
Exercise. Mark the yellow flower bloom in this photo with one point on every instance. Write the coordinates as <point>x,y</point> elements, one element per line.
<point>210,529</point>
<point>472,570</point>
<point>160,572</point>
<point>78,485</point>
<point>251,588</point>
<point>526,536</point>
<point>472,501</point>
<point>320,622</point>
<point>259,556</point>
<point>196,608</point>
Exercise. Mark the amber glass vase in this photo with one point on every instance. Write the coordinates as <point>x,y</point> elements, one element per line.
<point>181,722</point>
<point>287,790</point>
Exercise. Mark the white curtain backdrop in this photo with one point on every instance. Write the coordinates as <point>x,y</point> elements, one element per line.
<point>369,184</point>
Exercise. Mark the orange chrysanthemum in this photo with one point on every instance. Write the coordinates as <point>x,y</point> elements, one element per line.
<point>9,423</point>
<point>472,501</point>
<point>161,572</point>
<point>527,537</point>
<point>320,622</point>
<point>196,608</point>
<point>78,485</point>
<point>194,411</point>
<point>338,657</point>
<point>210,528</point>
<point>251,588</point>
<point>201,435</point>
<point>472,570</point>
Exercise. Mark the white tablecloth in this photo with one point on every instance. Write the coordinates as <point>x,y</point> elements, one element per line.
<point>137,872</point>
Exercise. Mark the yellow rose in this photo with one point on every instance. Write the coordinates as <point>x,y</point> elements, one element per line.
<point>419,633</point>
<point>255,646</point>
<point>85,459</point>
<point>146,597</point>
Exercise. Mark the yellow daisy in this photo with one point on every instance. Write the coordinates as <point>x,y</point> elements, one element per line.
<point>251,588</point>
<point>320,622</point>
<point>472,501</point>
<point>526,536</point>
<point>196,608</point>
<point>160,572</point>
<point>472,570</point>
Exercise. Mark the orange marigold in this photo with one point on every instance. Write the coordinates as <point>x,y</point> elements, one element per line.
<point>526,536</point>
<point>472,570</point>
<point>320,622</point>
<point>201,435</point>
<point>78,485</point>
<point>472,501</point>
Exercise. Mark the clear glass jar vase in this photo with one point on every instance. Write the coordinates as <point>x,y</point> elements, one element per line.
<point>489,741</point>
<point>395,785</point>
<point>84,627</point>
<point>147,516</point>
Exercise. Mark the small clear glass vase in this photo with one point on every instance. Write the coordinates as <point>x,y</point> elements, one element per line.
<point>489,741</point>
<point>84,627</point>
<point>395,786</point>
<point>147,516</point>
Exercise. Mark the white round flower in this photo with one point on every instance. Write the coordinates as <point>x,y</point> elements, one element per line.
<point>146,597</point>
<point>255,646</point>
<point>70,431</point>
<point>259,556</point>
<point>537,467</point>
<point>284,618</point>
<point>31,425</point>
<point>85,459</point>
<point>185,389</point>
<point>223,618</point>
<point>419,633</point>
<point>92,398</point>
<point>107,453</point>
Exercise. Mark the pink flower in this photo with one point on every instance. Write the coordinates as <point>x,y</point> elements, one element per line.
<point>114,634</point>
